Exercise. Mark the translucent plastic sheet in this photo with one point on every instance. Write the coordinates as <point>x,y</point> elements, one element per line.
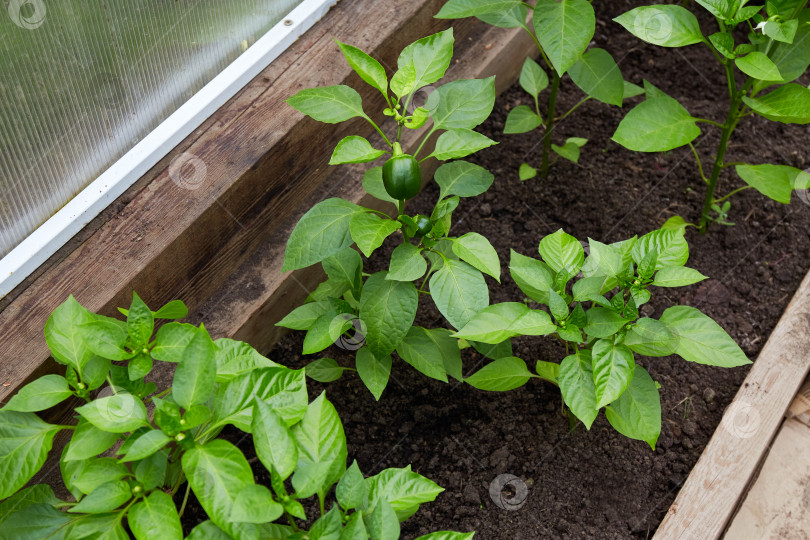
<point>82,81</point>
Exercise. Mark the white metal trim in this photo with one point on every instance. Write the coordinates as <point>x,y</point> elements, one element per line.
<point>26,257</point>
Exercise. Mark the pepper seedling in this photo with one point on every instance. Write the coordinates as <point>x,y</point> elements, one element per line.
<point>374,314</point>
<point>127,470</point>
<point>777,53</point>
<point>594,307</point>
<point>562,31</point>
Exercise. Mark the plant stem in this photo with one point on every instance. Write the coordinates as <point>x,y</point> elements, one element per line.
<point>185,499</point>
<point>732,119</point>
<point>321,503</point>
<point>729,194</point>
<point>552,106</point>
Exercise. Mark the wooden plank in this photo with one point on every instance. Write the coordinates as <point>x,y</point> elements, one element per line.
<point>778,504</point>
<point>716,485</point>
<point>173,236</point>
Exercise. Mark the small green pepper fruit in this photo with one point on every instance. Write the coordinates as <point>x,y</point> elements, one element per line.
<point>401,175</point>
<point>423,226</point>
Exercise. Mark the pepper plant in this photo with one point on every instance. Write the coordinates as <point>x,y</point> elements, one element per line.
<point>760,76</point>
<point>594,304</point>
<point>562,31</point>
<point>428,261</point>
<point>137,452</point>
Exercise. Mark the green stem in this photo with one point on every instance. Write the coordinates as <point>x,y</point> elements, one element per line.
<point>699,164</point>
<point>575,107</point>
<point>424,140</point>
<point>370,121</point>
<point>321,503</point>
<point>707,121</point>
<point>552,106</point>
<point>732,119</point>
<point>185,499</point>
<point>723,198</point>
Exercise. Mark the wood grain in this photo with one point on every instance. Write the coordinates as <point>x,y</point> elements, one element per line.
<point>724,471</point>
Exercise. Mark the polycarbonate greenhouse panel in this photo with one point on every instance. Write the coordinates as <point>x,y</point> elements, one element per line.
<point>81,82</point>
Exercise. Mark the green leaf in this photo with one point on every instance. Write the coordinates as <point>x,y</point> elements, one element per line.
<point>25,441</point>
<point>577,386</point>
<point>303,317</point>
<point>352,490</point>
<point>613,367</point>
<point>345,266</point>
<point>603,322</point>
<point>326,330</point>
<point>195,375</point>
<point>151,472</point>
<point>514,17</point>
<point>632,90</point>
<point>218,472</point>
<point>172,340</point>
<point>369,231</point>
<point>88,441</point>
<point>532,276</point>
<point>526,172</point>
<point>105,338</point>
<point>105,498</point>
<point>562,251</point>
<point>155,517</point>
<point>499,322</point>
<point>429,351</point>
<point>533,78</point>
<point>459,292</point>
<point>236,357</point>
<point>32,495</point>
<point>459,9</point>
<point>463,103</point>
<point>649,337</point>
<point>140,321</point>
<point>702,340</point>
<point>503,374</point>
<point>175,309</point>
<point>463,179</point>
<point>328,526</point>
<point>479,253</point>
<point>403,489</point>
<point>95,472</point>
<point>718,8</point>
<point>321,449</point>
<point>63,336</point>
<point>724,43</point>
<point>603,260</point>
<point>597,74</point>
<point>774,181</point>
<point>407,263</point>
<point>354,529</point>
<point>354,149</point>
<point>324,370</point>
<point>664,25</point>
<point>364,65</point>
<point>447,535</point>
<point>403,81</point>
<point>146,445</point>
<point>522,119</point>
<point>381,523</point>
<point>321,232</point>
<point>40,394</point>
<point>781,31</point>
<point>789,104</point>
<point>275,446</point>
<point>373,371</point>
<point>558,306</point>
<point>656,125</point>
<point>757,65</point>
<point>329,104</point>
<point>792,59</point>
<point>255,504</point>
<point>374,186</point>
<point>677,276</point>
<point>570,150</point>
<point>549,371</point>
<point>119,413</point>
<point>430,57</point>
<point>564,29</point>
<point>458,143</point>
<point>388,309</point>
<point>207,531</point>
<point>281,388</point>
<point>637,413</point>
<point>670,244</point>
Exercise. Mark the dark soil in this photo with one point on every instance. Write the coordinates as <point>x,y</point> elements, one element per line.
<point>597,483</point>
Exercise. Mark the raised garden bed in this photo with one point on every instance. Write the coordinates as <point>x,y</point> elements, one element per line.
<point>588,484</point>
